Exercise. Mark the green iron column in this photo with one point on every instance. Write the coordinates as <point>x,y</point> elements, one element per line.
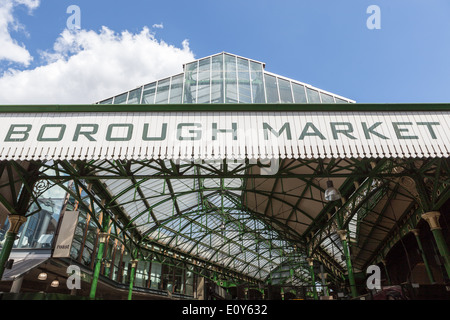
<point>132,274</point>
<point>103,236</point>
<point>15,222</point>
<point>351,278</point>
<point>424,257</point>
<point>433,220</point>
<point>313,278</point>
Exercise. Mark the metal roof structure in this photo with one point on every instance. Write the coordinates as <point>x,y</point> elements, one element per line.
<point>225,166</point>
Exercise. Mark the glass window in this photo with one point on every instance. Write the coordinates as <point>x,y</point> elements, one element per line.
<point>162,91</point>
<point>149,93</point>
<point>135,96</point>
<point>340,100</point>
<point>141,274</point>
<point>271,89</point>
<point>190,83</point>
<point>116,266</point>
<point>107,101</point>
<point>189,282</point>
<point>91,241</point>
<point>178,281</point>
<point>285,91</point>
<point>75,250</point>
<point>39,230</point>
<point>230,79</point>
<point>299,93</point>
<point>167,278</point>
<point>245,95</point>
<point>217,79</point>
<point>155,275</point>
<point>256,74</point>
<point>326,98</point>
<point>204,79</point>
<point>126,267</point>
<point>176,89</point>
<point>121,99</point>
<point>313,96</point>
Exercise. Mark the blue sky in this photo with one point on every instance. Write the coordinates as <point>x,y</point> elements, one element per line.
<point>325,43</point>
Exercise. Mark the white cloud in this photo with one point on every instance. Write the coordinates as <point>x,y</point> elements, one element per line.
<point>87,66</point>
<point>11,50</point>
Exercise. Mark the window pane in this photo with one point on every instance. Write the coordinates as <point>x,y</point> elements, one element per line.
<point>204,81</point>
<point>107,101</point>
<point>134,96</point>
<point>162,92</point>
<point>149,93</point>
<point>190,83</point>
<point>155,275</point>
<point>326,98</point>
<point>244,81</point>
<point>271,89</point>
<point>340,100</point>
<point>257,82</point>
<point>285,91</point>
<point>313,96</point>
<point>217,79</point>
<point>230,79</point>
<point>121,99</point>
<point>176,89</point>
<point>299,93</point>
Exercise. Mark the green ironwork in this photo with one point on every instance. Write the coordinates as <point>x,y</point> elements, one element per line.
<point>424,257</point>
<point>313,279</point>
<point>225,220</point>
<point>432,218</point>
<point>132,275</point>
<point>99,260</point>
<point>15,222</point>
<point>348,260</point>
<point>388,107</point>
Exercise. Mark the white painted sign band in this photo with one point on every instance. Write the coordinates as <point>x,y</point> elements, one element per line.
<point>219,135</point>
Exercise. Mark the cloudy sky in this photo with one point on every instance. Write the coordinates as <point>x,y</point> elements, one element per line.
<point>76,52</point>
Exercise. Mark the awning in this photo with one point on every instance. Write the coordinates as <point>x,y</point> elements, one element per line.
<point>21,267</point>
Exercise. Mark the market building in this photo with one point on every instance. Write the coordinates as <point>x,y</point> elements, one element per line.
<point>225,181</point>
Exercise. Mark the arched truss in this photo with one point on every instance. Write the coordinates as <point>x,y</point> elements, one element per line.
<point>229,217</point>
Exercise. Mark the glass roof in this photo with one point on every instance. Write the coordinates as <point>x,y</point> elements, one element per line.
<point>225,78</point>
<point>210,218</point>
<point>202,217</point>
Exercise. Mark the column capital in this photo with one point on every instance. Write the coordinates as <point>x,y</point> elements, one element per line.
<point>15,222</point>
<point>342,234</point>
<point>310,261</point>
<point>323,276</point>
<point>432,218</point>
<point>416,232</point>
<point>134,263</point>
<point>102,237</point>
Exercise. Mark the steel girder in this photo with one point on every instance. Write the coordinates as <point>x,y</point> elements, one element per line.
<point>424,183</point>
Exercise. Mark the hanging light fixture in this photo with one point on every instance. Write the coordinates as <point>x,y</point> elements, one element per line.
<point>42,276</point>
<point>331,193</point>
<point>55,283</point>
